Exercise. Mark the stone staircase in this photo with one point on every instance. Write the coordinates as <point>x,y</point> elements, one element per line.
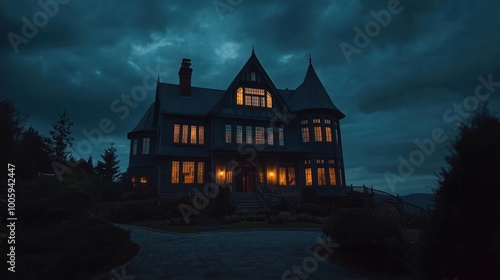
<point>247,201</point>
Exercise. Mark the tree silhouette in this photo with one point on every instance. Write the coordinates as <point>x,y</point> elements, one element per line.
<point>108,169</point>
<point>34,154</point>
<point>61,140</point>
<point>12,121</point>
<point>463,240</point>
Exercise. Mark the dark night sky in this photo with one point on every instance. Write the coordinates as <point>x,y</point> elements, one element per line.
<point>396,89</point>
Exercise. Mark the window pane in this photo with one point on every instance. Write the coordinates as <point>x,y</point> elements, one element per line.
<point>201,135</point>
<point>269,100</point>
<point>316,120</point>
<point>259,136</point>
<point>185,133</point>
<point>228,133</point>
<point>270,136</point>
<point>145,146</point>
<point>200,172</point>
<point>261,175</point>
<point>337,138</point>
<point>331,174</point>
<point>188,172</point>
<point>308,177</point>
<point>281,136</point>
<point>282,176</point>
<point>229,176</point>
<point>239,134</point>
<point>328,134</point>
<point>248,100</point>
<point>305,134</point>
<point>291,176</point>
<point>249,134</point>
<point>255,101</point>
<point>239,96</point>
<point>321,176</point>
<point>193,134</point>
<point>318,136</point>
<point>134,147</point>
<point>175,172</point>
<point>177,131</point>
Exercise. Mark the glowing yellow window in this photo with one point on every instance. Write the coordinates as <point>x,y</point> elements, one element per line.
<point>269,100</point>
<point>239,96</point>
<point>331,173</point>
<point>175,172</point>
<point>144,180</point>
<point>309,180</point>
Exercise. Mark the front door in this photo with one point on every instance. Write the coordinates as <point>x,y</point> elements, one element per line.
<point>245,181</point>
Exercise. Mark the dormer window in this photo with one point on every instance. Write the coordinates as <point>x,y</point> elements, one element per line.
<point>254,97</point>
<point>252,76</point>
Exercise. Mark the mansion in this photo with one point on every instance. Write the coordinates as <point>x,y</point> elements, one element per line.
<point>250,136</point>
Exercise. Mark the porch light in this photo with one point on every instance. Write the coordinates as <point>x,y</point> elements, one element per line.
<point>221,173</point>
<point>271,174</point>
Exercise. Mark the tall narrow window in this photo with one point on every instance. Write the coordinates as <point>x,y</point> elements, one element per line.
<point>331,174</point>
<point>321,176</point>
<point>249,134</point>
<point>291,176</point>
<point>281,136</point>
<point>188,172</point>
<point>239,134</point>
<point>328,134</point>
<point>229,176</point>
<point>145,145</point>
<point>270,136</point>
<point>193,134</point>
<point>259,136</point>
<point>305,134</point>
<point>228,133</point>
<point>269,100</point>
<point>185,131</point>
<point>201,135</point>
<point>239,96</point>
<point>308,176</point>
<point>177,132</point>
<point>199,172</point>
<point>341,179</point>
<point>175,172</point>
<point>252,76</point>
<point>134,147</point>
<point>261,175</point>
<point>282,176</point>
<point>318,136</point>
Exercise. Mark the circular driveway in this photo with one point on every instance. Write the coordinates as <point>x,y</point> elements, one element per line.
<point>244,254</point>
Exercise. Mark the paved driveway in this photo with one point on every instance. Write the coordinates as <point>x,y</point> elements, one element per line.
<point>252,254</point>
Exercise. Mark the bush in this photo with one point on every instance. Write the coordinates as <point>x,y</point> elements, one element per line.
<point>286,203</point>
<point>308,196</point>
<point>312,209</point>
<point>223,205</point>
<point>373,242</point>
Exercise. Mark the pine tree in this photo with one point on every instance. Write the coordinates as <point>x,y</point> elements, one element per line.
<point>108,169</point>
<point>12,121</point>
<point>34,154</point>
<point>61,141</point>
<point>463,240</point>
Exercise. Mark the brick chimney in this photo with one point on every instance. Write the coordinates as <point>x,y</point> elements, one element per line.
<point>185,77</point>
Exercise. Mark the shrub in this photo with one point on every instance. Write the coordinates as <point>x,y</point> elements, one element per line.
<point>308,195</point>
<point>223,205</point>
<point>374,242</point>
<point>314,210</point>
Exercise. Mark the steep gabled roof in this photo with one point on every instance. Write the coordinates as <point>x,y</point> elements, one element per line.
<point>201,101</point>
<point>146,123</point>
<point>252,61</point>
<point>311,94</point>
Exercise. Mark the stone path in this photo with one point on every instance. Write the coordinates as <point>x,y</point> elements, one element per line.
<point>252,254</point>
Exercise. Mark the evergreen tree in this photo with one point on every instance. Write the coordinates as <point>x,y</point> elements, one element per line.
<point>61,141</point>
<point>463,241</point>
<point>12,122</point>
<point>34,154</point>
<point>108,169</point>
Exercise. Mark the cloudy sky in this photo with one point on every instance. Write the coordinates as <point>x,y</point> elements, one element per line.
<point>415,77</point>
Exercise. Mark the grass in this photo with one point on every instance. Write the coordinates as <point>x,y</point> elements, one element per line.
<point>162,225</point>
